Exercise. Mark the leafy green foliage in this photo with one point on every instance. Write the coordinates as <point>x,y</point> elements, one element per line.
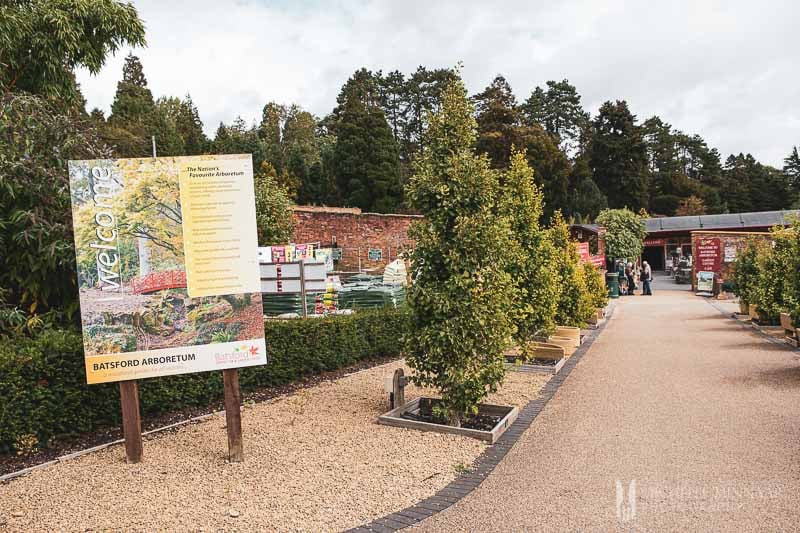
<point>574,305</point>
<point>462,291</point>
<point>530,264</point>
<point>595,287</point>
<point>625,233</point>
<point>37,263</point>
<point>43,390</point>
<point>43,41</point>
<point>746,270</point>
<point>772,291</point>
<point>273,208</point>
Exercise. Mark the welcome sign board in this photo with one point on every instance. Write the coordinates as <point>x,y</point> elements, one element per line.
<point>168,276</point>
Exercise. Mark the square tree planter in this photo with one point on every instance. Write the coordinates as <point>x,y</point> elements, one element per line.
<point>546,365</point>
<point>506,414</point>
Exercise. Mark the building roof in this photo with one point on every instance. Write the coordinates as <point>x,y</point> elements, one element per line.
<point>763,219</point>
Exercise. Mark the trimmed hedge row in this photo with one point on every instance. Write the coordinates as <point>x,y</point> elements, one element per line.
<point>44,395</point>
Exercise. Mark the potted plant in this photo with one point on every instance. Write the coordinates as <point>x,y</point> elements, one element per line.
<point>745,273</point>
<point>460,299</point>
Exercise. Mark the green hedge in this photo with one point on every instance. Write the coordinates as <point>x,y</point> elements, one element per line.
<point>43,391</point>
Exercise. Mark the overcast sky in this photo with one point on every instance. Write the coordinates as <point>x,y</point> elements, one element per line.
<point>727,70</point>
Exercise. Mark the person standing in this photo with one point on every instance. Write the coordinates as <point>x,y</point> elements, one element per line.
<point>630,273</point>
<point>647,277</point>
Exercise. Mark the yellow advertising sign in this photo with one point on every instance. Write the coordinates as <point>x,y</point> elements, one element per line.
<point>167,269</point>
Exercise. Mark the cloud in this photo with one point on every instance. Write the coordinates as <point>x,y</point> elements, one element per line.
<point>726,70</point>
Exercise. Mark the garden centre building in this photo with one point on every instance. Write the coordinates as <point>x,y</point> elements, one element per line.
<point>669,237</point>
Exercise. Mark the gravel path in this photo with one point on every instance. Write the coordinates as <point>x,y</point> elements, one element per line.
<point>315,460</point>
<point>704,415</point>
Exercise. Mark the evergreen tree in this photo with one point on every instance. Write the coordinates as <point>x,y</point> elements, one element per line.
<point>791,167</point>
<point>498,118</point>
<point>559,111</point>
<point>550,165</point>
<point>366,159</point>
<point>619,157</point>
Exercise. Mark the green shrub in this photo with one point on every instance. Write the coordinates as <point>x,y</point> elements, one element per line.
<point>772,291</point>
<point>595,287</point>
<point>43,390</point>
<point>746,270</point>
<point>574,306</point>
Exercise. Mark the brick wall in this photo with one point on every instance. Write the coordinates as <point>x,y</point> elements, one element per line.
<point>356,233</point>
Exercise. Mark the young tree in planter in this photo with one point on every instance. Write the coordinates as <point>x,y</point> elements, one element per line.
<point>595,286</point>
<point>574,306</point>
<point>772,291</point>
<point>462,291</point>
<point>746,271</point>
<point>625,233</point>
<point>536,297</point>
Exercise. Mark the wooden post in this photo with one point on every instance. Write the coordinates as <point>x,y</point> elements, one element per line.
<point>233,414</point>
<point>398,389</point>
<point>131,420</point>
<point>303,287</point>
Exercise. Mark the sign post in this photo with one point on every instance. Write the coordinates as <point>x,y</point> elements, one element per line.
<point>131,420</point>
<point>233,414</point>
<point>168,275</point>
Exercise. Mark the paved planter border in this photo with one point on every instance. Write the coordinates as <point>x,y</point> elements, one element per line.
<point>491,456</point>
<point>508,413</point>
<point>539,369</point>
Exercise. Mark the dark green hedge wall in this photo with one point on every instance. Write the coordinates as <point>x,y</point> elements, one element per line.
<point>43,390</point>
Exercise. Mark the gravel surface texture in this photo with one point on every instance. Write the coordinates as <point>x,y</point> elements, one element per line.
<point>315,460</point>
<point>703,414</point>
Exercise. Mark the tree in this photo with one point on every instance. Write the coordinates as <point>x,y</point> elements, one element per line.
<point>134,118</point>
<point>459,301</point>
<point>183,117</point>
<point>625,233</point>
<point>537,289</point>
<point>497,118</point>
<point>550,165</point>
<point>37,265</point>
<point>587,200</point>
<point>367,163</point>
<point>619,157</point>
<point>574,302</point>
<point>691,206</point>
<point>791,167</point>
<point>273,208</point>
<point>43,41</point>
<point>558,110</point>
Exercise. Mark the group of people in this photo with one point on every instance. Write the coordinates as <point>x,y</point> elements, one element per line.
<point>630,275</point>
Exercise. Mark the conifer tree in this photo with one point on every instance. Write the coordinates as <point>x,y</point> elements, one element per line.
<point>619,157</point>
<point>367,163</point>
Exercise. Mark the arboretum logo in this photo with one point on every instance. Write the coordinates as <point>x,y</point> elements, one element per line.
<point>107,249</point>
<point>240,353</point>
<point>626,510</point>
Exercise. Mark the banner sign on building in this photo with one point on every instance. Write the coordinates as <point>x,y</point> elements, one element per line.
<point>168,276</point>
<point>708,254</point>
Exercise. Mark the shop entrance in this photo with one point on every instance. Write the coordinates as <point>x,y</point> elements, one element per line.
<point>654,255</point>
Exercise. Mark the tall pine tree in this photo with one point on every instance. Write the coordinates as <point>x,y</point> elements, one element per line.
<point>619,157</point>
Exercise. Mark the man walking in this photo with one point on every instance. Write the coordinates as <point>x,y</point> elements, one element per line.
<point>647,277</point>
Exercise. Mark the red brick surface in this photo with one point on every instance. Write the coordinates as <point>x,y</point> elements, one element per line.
<point>355,232</point>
